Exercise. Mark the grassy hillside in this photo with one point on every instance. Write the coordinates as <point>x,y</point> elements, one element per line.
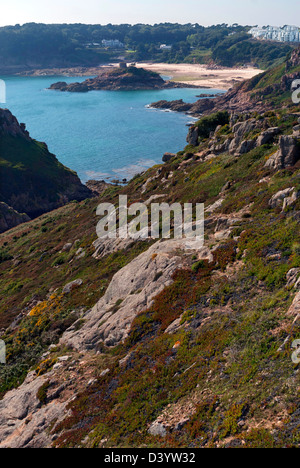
<point>224,375</point>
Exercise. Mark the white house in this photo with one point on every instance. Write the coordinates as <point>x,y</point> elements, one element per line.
<point>113,44</point>
<point>165,47</point>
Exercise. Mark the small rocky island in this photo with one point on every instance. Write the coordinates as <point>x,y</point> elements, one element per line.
<point>195,109</point>
<point>122,78</point>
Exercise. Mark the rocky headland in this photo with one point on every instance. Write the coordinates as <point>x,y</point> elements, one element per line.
<point>122,78</point>
<point>32,180</point>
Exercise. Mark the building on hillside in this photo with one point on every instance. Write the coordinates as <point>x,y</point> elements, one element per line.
<point>92,44</point>
<point>113,44</point>
<point>165,47</point>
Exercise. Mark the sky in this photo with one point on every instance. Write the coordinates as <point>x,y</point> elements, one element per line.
<point>205,12</point>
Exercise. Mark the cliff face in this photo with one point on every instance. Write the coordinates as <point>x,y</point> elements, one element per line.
<point>10,218</point>
<point>32,180</point>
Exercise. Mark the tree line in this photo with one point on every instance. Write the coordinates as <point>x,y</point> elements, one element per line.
<point>61,45</point>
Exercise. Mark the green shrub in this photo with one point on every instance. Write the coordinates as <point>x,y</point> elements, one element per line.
<point>42,393</point>
<point>4,256</point>
<point>196,266</point>
<point>208,124</point>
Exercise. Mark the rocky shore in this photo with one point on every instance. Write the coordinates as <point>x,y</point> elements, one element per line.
<point>194,109</point>
<point>248,96</point>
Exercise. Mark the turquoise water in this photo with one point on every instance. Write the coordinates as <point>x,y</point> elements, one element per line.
<point>101,134</point>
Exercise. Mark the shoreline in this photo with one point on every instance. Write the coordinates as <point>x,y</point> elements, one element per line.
<point>194,75</point>
<point>67,72</point>
<point>202,76</point>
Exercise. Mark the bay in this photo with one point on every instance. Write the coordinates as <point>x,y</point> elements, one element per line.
<point>102,134</point>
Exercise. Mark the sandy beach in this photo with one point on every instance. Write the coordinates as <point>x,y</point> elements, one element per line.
<point>201,75</point>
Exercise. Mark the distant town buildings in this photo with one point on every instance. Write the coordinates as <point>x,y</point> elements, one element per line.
<point>113,44</point>
<point>92,44</point>
<point>274,33</point>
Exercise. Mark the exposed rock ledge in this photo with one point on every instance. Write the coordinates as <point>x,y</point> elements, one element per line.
<point>133,288</point>
<point>136,287</point>
<point>23,420</point>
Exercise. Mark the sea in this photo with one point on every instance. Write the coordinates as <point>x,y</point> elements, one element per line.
<point>102,135</point>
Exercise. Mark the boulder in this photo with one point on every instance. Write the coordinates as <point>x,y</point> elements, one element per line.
<point>215,206</point>
<point>60,86</point>
<point>197,108</point>
<point>292,277</point>
<point>67,247</point>
<point>157,429</point>
<point>168,156</point>
<point>245,147</point>
<point>240,129</point>
<point>284,198</point>
<point>233,146</point>
<point>267,136</point>
<point>294,310</point>
<point>287,155</point>
<point>239,144</point>
<point>73,285</point>
<point>97,186</point>
<point>218,147</point>
<point>296,131</point>
<point>193,136</point>
<point>106,247</point>
<point>288,201</point>
<point>175,106</point>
